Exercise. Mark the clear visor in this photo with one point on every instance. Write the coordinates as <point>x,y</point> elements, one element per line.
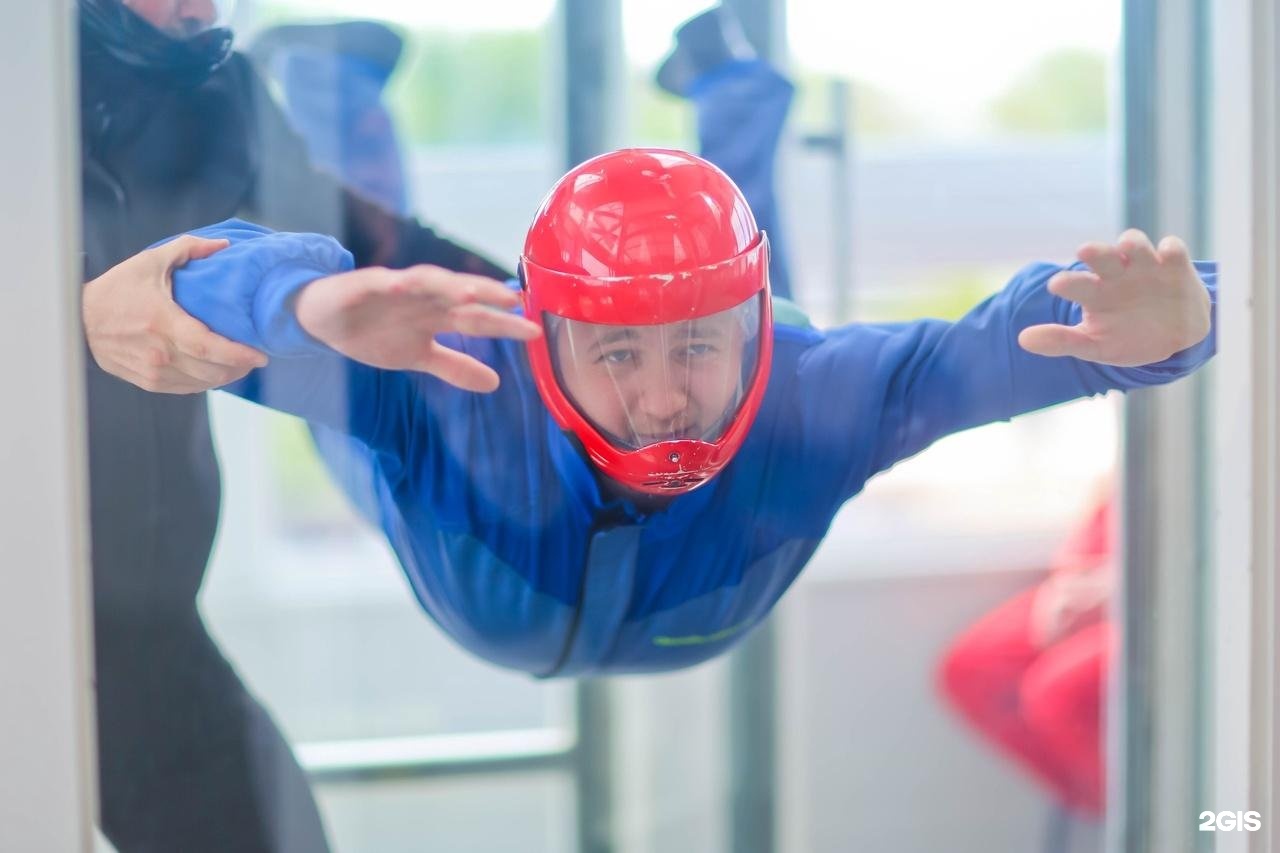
<point>641,385</point>
<point>183,19</point>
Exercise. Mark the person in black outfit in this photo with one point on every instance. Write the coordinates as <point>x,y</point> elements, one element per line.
<point>178,131</point>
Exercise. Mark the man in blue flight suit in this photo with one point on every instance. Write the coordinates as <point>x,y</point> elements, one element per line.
<point>653,466</point>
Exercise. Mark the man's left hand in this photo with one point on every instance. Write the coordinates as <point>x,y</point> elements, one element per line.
<point>1141,304</point>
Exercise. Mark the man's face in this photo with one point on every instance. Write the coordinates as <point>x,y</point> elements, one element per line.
<point>177,18</point>
<point>645,384</point>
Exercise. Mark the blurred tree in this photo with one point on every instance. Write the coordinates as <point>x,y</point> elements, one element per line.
<point>875,114</point>
<point>454,87</point>
<point>943,293</point>
<point>1065,92</point>
<point>657,117</point>
<point>308,501</point>
<point>479,87</point>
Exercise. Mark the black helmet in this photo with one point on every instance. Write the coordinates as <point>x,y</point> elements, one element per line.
<point>186,52</point>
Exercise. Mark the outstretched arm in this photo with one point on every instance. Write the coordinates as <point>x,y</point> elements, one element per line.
<point>294,295</point>
<point>1125,318</point>
<point>345,344</point>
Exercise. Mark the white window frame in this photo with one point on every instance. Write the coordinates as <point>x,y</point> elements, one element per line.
<point>47,756</point>
<point>1241,737</point>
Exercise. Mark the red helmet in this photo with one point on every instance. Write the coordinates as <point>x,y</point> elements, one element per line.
<point>650,277</point>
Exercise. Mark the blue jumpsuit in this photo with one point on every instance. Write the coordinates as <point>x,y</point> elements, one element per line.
<point>501,525</point>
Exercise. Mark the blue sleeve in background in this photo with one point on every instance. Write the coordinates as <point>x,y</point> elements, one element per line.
<point>244,292</point>
<point>741,108</point>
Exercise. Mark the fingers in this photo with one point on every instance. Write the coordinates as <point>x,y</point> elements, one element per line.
<point>1132,249</point>
<point>1054,340</point>
<point>483,321</point>
<point>1137,248</point>
<point>459,288</point>
<point>477,288</point>
<point>193,339</point>
<point>458,369</point>
<point>188,247</point>
<point>1077,285</point>
<point>1103,258</point>
<point>1173,251</point>
<point>207,374</point>
<point>162,381</point>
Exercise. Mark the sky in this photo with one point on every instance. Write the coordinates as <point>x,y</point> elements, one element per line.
<point>937,57</point>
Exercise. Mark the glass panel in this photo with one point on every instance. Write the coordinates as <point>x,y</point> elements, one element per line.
<point>307,632</point>
<point>517,813</point>
<point>433,616</point>
<point>933,159</point>
<point>304,595</point>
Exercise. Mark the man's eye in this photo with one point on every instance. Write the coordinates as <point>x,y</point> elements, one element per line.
<point>696,350</point>
<point>617,357</point>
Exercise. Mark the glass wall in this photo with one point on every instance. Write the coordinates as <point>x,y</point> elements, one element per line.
<point>303,593</point>
<point>936,151</point>
<point>462,631</point>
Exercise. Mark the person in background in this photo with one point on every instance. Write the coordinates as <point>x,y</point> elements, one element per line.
<point>177,131</point>
<point>1029,676</point>
<point>333,80</point>
<point>740,103</point>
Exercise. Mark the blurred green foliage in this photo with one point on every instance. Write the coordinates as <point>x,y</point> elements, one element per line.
<point>945,293</point>
<point>309,501</point>
<point>482,87</point>
<point>456,87</point>
<point>1065,92</point>
<point>875,114</point>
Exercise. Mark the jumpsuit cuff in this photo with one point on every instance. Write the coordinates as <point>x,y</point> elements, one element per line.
<point>246,292</point>
<point>273,309</point>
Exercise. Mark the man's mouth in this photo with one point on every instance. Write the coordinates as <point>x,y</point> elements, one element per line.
<point>674,434</point>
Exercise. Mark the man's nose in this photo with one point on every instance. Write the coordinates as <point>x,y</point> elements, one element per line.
<point>662,401</point>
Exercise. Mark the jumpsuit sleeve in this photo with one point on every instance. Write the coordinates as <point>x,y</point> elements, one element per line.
<point>244,292</point>
<point>906,385</point>
<point>289,193</point>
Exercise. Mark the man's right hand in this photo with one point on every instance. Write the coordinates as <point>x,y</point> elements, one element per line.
<point>137,333</point>
<point>390,319</point>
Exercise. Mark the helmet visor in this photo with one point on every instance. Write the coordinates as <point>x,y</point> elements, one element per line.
<point>640,385</point>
